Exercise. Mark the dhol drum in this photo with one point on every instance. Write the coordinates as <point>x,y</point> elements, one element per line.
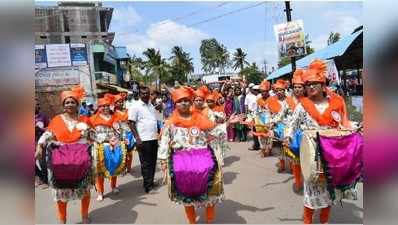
<point>193,170</point>
<point>342,156</point>
<point>337,154</point>
<point>111,159</point>
<point>69,165</point>
<point>310,159</point>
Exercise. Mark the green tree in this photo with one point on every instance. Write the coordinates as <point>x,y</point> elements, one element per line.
<point>333,38</point>
<point>156,67</point>
<point>135,66</point>
<point>283,61</point>
<point>308,42</point>
<point>213,55</point>
<point>222,58</point>
<point>181,64</point>
<point>239,59</point>
<point>252,74</point>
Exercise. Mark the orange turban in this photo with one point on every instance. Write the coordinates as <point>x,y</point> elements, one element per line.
<point>280,84</point>
<point>182,92</point>
<point>212,96</point>
<point>108,99</point>
<point>316,72</point>
<point>265,85</point>
<point>119,97</point>
<point>202,92</point>
<point>76,92</point>
<point>297,76</point>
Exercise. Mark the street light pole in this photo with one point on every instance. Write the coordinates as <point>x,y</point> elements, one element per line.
<point>289,18</point>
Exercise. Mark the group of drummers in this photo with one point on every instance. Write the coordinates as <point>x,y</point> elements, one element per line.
<point>311,128</point>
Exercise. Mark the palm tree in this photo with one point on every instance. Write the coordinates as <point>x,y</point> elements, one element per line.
<point>333,37</point>
<point>181,63</point>
<point>222,58</point>
<point>156,66</point>
<point>239,59</point>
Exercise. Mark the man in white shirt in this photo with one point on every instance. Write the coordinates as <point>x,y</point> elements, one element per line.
<point>251,107</point>
<point>143,124</point>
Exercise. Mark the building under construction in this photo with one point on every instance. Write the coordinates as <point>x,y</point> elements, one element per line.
<point>73,22</point>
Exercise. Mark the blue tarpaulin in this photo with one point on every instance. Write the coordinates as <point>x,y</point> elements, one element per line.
<point>121,53</point>
<point>331,51</point>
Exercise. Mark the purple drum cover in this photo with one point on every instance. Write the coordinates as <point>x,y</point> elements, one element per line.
<point>191,169</point>
<point>70,162</point>
<point>343,155</point>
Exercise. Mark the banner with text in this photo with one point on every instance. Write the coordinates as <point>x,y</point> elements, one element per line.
<point>291,38</point>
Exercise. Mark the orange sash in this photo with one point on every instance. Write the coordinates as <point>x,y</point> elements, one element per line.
<point>204,111</point>
<point>197,120</point>
<point>58,127</point>
<point>219,108</point>
<point>290,101</point>
<point>262,102</point>
<point>273,104</point>
<point>97,120</point>
<point>121,116</point>
<point>326,118</point>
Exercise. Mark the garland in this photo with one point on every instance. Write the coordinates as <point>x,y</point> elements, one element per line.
<point>101,169</point>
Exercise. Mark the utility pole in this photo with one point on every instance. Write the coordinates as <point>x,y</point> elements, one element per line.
<point>289,18</point>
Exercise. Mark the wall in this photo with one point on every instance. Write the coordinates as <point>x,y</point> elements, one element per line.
<point>51,82</point>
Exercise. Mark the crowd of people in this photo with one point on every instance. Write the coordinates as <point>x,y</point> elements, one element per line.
<point>186,130</point>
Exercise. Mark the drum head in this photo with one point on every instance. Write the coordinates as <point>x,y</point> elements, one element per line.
<point>307,156</point>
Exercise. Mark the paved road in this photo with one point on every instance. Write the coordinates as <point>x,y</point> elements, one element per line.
<point>255,193</point>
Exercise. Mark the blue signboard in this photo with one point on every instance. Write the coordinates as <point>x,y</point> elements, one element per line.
<point>40,56</point>
<point>78,54</point>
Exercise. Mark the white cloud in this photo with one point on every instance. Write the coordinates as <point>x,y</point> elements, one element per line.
<point>124,18</point>
<point>162,35</point>
<point>342,22</point>
<point>259,51</point>
<point>169,33</point>
<point>319,42</point>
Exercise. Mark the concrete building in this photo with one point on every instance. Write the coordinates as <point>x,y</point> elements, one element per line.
<point>73,22</point>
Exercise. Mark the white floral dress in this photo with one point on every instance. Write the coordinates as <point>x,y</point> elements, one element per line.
<point>220,144</point>
<point>316,195</point>
<point>69,194</point>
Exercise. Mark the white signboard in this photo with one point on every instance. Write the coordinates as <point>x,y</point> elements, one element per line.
<point>333,74</point>
<point>357,102</point>
<point>57,77</point>
<point>290,38</point>
<point>58,55</point>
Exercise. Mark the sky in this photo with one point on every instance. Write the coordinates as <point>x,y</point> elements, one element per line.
<point>162,25</point>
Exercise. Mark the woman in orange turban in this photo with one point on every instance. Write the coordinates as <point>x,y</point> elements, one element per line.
<point>107,144</point>
<point>316,111</point>
<point>122,118</point>
<point>185,138</point>
<point>277,106</point>
<point>260,129</point>
<point>199,100</point>
<point>67,131</point>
